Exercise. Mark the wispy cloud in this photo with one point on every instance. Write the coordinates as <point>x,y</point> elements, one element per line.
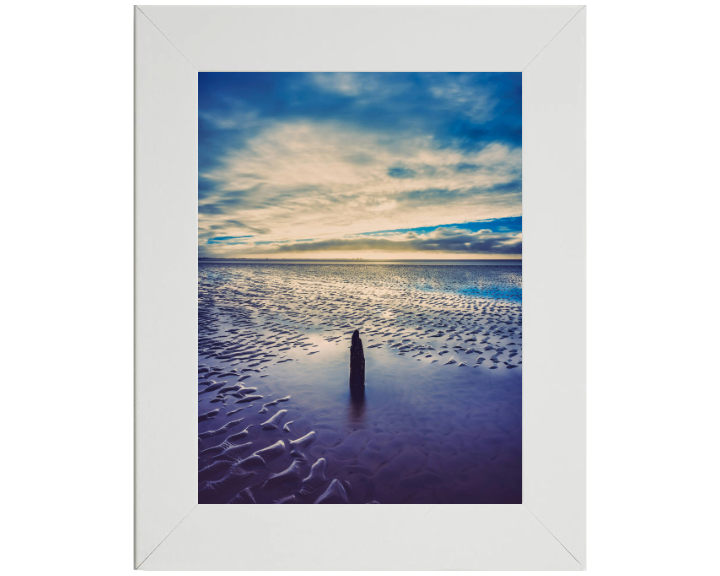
<point>226,239</point>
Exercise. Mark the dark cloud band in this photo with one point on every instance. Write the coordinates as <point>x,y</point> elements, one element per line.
<point>497,244</point>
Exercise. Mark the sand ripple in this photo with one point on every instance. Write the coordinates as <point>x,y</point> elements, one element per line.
<point>428,429</point>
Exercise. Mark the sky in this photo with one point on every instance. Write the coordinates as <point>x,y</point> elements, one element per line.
<point>360,165</point>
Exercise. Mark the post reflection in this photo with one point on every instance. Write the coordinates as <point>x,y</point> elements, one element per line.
<point>357,403</point>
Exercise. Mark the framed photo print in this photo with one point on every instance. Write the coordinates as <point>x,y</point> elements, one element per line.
<point>360,287</point>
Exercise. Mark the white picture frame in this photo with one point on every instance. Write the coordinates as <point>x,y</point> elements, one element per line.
<point>545,43</point>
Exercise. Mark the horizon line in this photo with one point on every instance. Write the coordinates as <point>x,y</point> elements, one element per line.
<point>366,259</point>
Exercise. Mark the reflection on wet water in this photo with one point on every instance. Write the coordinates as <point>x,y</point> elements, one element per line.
<point>357,405</point>
<point>439,420</point>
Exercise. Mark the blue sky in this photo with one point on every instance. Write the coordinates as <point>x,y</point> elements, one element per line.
<point>371,165</point>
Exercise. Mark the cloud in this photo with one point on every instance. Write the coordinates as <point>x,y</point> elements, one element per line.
<point>460,244</point>
<point>458,239</point>
<point>460,110</point>
<point>331,156</point>
<point>295,177</point>
<point>347,84</point>
<point>461,92</point>
<point>225,239</point>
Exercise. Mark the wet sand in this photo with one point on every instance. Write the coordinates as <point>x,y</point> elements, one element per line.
<point>439,420</point>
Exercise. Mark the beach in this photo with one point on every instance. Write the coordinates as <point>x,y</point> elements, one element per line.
<point>439,419</point>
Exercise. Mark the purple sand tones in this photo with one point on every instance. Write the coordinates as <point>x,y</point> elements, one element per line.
<point>439,419</point>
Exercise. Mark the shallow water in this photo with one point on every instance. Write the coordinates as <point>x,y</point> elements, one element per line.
<point>435,424</point>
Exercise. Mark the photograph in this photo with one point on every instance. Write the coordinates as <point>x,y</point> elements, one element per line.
<point>359,288</point>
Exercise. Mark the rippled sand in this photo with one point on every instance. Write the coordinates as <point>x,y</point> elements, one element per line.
<point>440,419</point>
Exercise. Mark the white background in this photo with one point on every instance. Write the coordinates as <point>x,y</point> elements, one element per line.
<point>67,287</point>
